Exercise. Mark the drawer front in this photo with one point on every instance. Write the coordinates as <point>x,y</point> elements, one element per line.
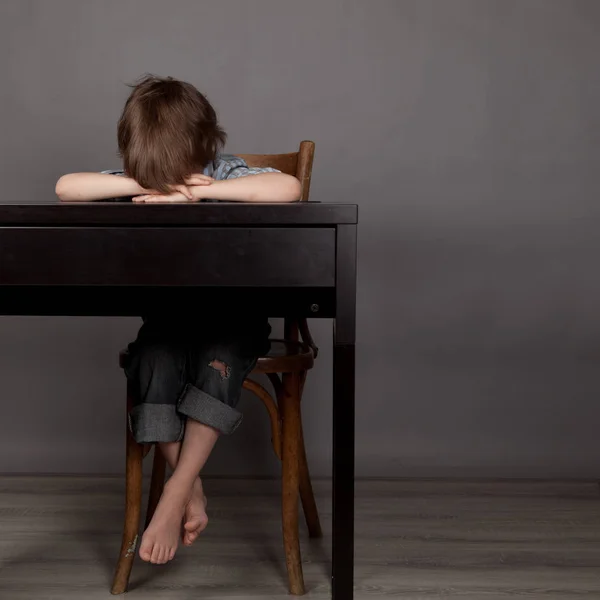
<point>190,256</point>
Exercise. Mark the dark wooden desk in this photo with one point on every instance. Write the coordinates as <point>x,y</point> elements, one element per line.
<point>125,259</point>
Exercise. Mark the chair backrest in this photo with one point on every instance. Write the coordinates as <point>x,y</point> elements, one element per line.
<point>299,164</point>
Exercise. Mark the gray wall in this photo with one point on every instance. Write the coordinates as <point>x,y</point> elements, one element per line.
<point>468,131</point>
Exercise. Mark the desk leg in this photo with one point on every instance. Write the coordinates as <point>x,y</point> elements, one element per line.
<point>343,415</point>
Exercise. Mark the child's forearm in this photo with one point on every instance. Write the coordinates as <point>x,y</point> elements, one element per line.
<point>265,187</point>
<point>87,187</point>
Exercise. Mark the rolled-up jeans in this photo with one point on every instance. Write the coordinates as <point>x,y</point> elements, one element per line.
<point>180,372</point>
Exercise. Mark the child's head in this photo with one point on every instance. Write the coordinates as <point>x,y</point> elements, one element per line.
<point>168,130</point>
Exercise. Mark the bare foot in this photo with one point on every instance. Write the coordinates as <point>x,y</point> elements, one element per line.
<point>160,539</point>
<point>196,518</point>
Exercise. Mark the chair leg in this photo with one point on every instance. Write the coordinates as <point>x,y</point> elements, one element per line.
<point>309,505</point>
<point>306,491</point>
<point>157,483</point>
<point>290,409</point>
<point>307,495</point>
<point>133,506</point>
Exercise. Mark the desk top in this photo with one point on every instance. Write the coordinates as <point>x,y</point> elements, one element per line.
<point>314,214</point>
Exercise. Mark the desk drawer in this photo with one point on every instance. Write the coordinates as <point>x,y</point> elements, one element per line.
<point>169,256</point>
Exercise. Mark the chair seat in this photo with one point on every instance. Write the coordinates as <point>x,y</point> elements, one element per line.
<point>283,357</point>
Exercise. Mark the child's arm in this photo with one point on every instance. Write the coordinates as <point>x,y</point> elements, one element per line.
<point>87,187</point>
<point>264,187</point>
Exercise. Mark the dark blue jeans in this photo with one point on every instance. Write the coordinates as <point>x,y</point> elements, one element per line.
<point>182,370</point>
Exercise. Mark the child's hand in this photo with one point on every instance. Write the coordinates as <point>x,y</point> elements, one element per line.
<point>174,197</point>
<point>198,179</point>
<point>195,179</point>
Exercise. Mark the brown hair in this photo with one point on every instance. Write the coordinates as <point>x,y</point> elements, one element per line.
<point>168,130</point>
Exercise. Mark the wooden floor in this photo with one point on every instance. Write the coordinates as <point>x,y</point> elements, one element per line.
<point>59,538</point>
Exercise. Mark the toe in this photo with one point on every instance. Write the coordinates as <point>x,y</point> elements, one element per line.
<point>169,554</point>
<point>155,554</point>
<point>145,551</point>
<point>192,536</point>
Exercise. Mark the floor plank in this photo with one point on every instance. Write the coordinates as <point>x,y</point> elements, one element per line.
<point>415,539</point>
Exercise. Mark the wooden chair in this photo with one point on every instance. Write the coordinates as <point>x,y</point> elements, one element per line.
<point>286,366</point>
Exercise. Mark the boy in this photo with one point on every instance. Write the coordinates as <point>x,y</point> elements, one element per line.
<point>188,369</point>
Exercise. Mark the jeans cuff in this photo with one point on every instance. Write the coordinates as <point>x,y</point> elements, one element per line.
<point>151,423</point>
<point>206,409</point>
